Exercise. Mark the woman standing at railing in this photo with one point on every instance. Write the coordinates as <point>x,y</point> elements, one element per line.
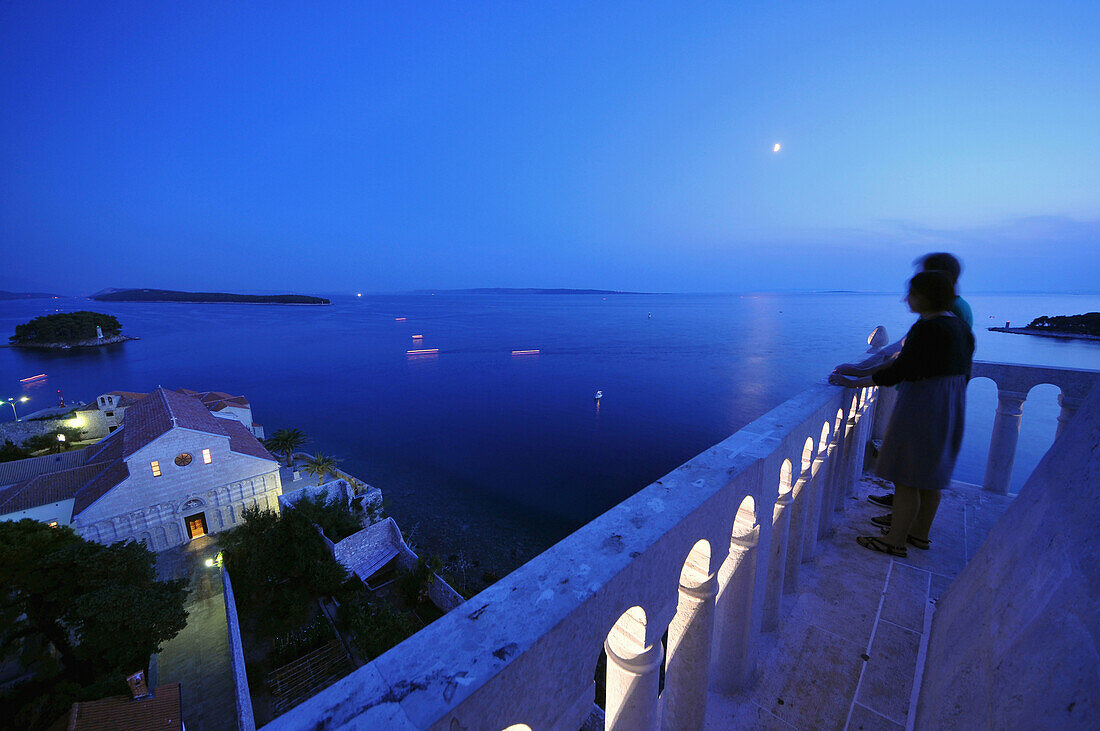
<point>925,430</point>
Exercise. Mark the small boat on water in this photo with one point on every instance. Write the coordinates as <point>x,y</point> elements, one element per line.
<point>599,395</point>
<point>32,379</point>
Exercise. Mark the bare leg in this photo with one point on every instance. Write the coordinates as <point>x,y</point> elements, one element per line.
<point>907,503</point>
<point>926,513</point>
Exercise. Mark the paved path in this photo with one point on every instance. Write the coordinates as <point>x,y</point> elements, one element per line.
<point>850,645</point>
<point>198,657</point>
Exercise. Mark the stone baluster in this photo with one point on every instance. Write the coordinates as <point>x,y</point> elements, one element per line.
<point>815,497</point>
<point>796,539</point>
<point>834,476</point>
<point>690,639</point>
<point>1002,444</point>
<point>633,682</point>
<point>777,560</point>
<point>731,667</point>
<point>866,427</point>
<point>853,428</point>
<point>1069,408</point>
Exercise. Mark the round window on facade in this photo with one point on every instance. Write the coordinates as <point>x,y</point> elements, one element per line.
<point>182,460</point>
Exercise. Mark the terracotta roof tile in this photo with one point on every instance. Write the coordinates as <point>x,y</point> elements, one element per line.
<point>242,441</point>
<point>18,470</point>
<point>162,712</point>
<point>160,411</point>
<point>126,398</point>
<point>115,473</point>
<point>45,489</point>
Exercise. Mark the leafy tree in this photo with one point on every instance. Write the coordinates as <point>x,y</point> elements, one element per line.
<point>100,607</point>
<point>336,518</point>
<point>9,452</point>
<point>279,565</point>
<point>415,583</point>
<point>286,442</point>
<point>65,327</point>
<point>377,627</point>
<point>321,466</point>
<point>50,442</point>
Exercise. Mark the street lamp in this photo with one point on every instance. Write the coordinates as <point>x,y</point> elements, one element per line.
<point>12,401</point>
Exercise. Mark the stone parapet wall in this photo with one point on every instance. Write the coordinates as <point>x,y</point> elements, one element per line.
<point>537,634</point>
<point>245,720</point>
<point>1015,640</point>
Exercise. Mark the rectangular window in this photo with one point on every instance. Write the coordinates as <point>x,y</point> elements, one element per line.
<point>109,413</point>
<point>156,468</point>
<point>206,458</point>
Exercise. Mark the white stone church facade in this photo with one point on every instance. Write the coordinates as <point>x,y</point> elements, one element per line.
<point>171,473</point>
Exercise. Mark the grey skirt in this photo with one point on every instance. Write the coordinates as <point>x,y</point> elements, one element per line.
<point>924,434</point>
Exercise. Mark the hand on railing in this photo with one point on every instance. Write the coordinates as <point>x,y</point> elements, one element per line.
<point>837,379</point>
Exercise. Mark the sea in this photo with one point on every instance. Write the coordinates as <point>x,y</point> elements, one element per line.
<point>487,457</point>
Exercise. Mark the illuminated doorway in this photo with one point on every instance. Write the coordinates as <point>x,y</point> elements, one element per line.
<point>196,525</point>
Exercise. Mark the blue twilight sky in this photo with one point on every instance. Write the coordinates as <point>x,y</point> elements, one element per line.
<point>390,146</point>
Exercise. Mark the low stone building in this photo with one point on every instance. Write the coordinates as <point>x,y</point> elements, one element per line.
<point>172,472</point>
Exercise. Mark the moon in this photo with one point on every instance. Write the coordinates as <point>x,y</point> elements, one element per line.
<point>776,147</point>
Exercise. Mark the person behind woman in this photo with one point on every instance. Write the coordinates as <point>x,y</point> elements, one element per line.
<point>939,261</point>
<point>925,430</point>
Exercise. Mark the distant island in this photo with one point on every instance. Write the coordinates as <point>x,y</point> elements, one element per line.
<point>169,295</point>
<point>1085,327</point>
<point>25,295</point>
<point>68,330</point>
<point>514,290</point>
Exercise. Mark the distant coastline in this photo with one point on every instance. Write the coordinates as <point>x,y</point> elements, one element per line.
<point>521,290</point>
<point>1077,327</point>
<point>4,295</point>
<point>168,295</point>
<point>1043,333</point>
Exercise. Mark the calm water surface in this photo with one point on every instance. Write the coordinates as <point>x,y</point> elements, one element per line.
<point>495,456</point>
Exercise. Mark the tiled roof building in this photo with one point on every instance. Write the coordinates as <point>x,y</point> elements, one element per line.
<point>174,471</point>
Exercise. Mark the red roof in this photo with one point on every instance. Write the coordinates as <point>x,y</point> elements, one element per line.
<point>160,411</point>
<point>242,441</point>
<point>162,712</point>
<point>125,398</point>
<point>45,489</point>
<point>115,473</point>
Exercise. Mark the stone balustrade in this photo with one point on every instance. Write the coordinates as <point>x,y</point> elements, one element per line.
<point>1014,381</point>
<point>707,554</point>
<point>704,558</point>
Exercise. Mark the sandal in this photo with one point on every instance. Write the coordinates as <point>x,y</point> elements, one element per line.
<point>883,520</point>
<point>913,541</point>
<point>877,544</point>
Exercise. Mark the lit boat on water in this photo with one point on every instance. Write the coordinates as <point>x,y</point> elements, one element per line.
<point>32,379</point>
<point>599,395</point>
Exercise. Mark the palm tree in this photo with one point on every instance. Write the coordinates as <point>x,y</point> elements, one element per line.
<point>320,466</point>
<point>285,442</point>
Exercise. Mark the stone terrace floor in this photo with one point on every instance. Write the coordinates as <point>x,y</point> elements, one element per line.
<point>850,644</point>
